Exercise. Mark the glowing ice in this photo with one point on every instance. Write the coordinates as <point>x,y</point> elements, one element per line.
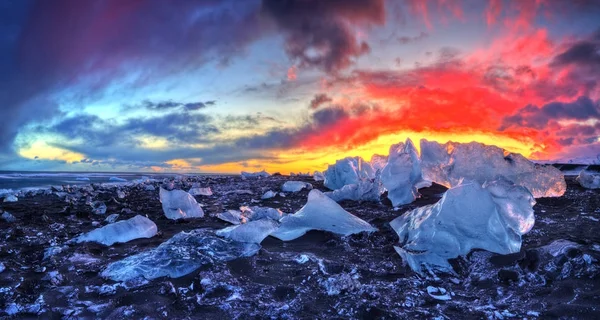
<point>347,171</point>
<point>252,232</point>
<point>447,164</point>
<point>179,256</point>
<point>320,213</point>
<point>121,231</point>
<point>364,190</point>
<point>178,204</point>
<point>378,161</point>
<point>586,179</point>
<point>401,176</point>
<point>469,216</point>
<point>295,186</point>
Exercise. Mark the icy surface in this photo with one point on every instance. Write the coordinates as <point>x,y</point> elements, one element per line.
<point>201,191</point>
<point>318,176</point>
<point>178,256</point>
<point>588,180</point>
<point>260,174</point>
<point>117,179</point>
<point>347,171</point>
<point>447,164</point>
<point>295,186</point>
<point>2,267</point>
<point>401,176</point>
<point>11,198</point>
<point>469,216</point>
<point>250,214</point>
<point>232,216</point>
<point>122,231</point>
<point>6,216</point>
<point>178,204</point>
<point>252,232</point>
<point>268,195</point>
<point>98,207</point>
<point>320,213</point>
<point>378,161</point>
<point>365,190</point>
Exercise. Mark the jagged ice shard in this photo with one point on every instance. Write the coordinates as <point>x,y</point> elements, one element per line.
<point>121,231</point>
<point>447,164</point>
<point>364,190</point>
<point>252,232</point>
<point>180,255</point>
<point>178,204</point>
<point>589,180</point>
<point>469,216</point>
<point>347,171</point>
<point>402,176</point>
<point>320,213</point>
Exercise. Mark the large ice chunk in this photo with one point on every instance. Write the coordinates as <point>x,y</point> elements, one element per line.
<point>260,174</point>
<point>401,176</point>
<point>121,231</point>
<point>320,213</point>
<point>252,232</point>
<point>365,190</point>
<point>347,171</point>
<point>178,204</point>
<point>469,216</point>
<point>447,164</point>
<point>295,186</point>
<point>589,180</point>
<point>178,256</point>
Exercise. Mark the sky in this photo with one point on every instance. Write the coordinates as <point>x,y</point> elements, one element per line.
<point>291,85</point>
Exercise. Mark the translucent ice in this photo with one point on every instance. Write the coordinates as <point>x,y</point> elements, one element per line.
<point>98,207</point>
<point>180,255</point>
<point>268,195</point>
<point>117,179</point>
<point>401,176</point>
<point>320,213</point>
<point>232,216</point>
<point>121,231</point>
<point>201,191</point>
<point>589,180</point>
<point>252,232</point>
<point>365,190</point>
<point>318,176</point>
<point>448,163</point>
<point>178,204</point>
<point>295,186</point>
<point>260,174</point>
<point>10,198</point>
<point>378,161</point>
<point>257,213</point>
<point>469,216</point>
<point>347,171</point>
<point>6,216</point>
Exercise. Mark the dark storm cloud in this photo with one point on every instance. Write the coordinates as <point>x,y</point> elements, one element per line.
<point>584,52</point>
<point>319,100</point>
<point>319,33</point>
<point>537,118</point>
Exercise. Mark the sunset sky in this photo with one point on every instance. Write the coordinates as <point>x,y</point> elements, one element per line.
<point>225,86</point>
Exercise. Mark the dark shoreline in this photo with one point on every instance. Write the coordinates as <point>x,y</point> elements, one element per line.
<point>359,276</point>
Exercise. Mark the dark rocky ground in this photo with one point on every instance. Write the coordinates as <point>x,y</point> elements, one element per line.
<point>319,275</point>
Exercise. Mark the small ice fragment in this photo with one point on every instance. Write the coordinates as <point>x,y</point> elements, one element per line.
<point>179,256</point>
<point>231,216</point>
<point>178,204</point>
<point>318,176</point>
<point>295,186</point>
<point>257,213</point>
<point>117,179</point>
<point>438,293</point>
<point>2,267</point>
<point>302,259</point>
<point>120,194</point>
<point>281,194</point>
<point>11,198</point>
<point>82,179</point>
<point>121,231</point>
<point>268,195</point>
<point>112,218</point>
<point>252,232</point>
<point>320,213</point>
<point>98,207</point>
<point>261,174</point>
<point>6,216</point>
<point>587,179</point>
<point>201,191</point>
<point>149,188</point>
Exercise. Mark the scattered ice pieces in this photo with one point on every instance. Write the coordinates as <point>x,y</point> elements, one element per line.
<point>587,179</point>
<point>98,207</point>
<point>438,293</point>
<point>347,171</point>
<point>231,216</point>
<point>268,195</point>
<point>468,216</point>
<point>447,164</point>
<point>260,174</point>
<point>252,231</point>
<point>201,191</point>
<point>401,176</point>
<point>117,179</point>
<point>295,186</point>
<point>178,256</point>
<point>121,231</point>
<point>178,204</point>
<point>10,198</point>
<point>112,218</point>
<point>320,213</point>
<point>6,216</point>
